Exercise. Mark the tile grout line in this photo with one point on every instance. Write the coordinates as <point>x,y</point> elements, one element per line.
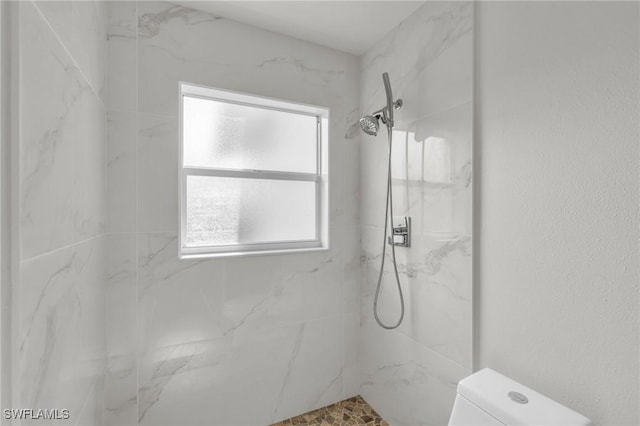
<point>137,212</point>
<point>106,257</point>
<point>66,246</point>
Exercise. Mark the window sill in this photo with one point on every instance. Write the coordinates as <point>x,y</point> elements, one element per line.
<point>210,255</point>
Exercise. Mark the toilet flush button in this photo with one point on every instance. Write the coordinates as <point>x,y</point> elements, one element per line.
<point>518,397</point>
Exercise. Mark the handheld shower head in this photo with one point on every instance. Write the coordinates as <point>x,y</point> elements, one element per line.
<point>369,124</point>
<point>390,106</point>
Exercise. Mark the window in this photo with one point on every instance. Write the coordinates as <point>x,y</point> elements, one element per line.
<point>253,174</point>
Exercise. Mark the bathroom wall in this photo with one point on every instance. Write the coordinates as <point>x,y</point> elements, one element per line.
<point>61,207</point>
<point>248,340</point>
<point>558,130</point>
<point>409,375</point>
<point>5,207</point>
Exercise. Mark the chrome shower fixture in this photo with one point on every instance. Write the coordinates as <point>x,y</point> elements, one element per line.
<point>369,123</point>
<point>401,233</point>
<point>391,105</point>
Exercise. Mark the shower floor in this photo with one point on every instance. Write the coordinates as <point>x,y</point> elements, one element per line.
<point>350,412</point>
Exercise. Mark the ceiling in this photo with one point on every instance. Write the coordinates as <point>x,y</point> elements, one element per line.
<point>350,26</point>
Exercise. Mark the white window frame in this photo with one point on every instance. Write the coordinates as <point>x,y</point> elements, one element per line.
<point>321,240</point>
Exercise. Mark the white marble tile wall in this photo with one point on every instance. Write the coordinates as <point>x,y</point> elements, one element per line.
<point>62,351</point>
<point>62,205</point>
<point>409,374</point>
<point>62,141</point>
<point>121,383</point>
<point>234,341</point>
<point>281,334</point>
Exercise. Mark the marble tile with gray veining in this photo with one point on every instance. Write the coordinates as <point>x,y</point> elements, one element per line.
<point>62,203</point>
<point>243,337</point>
<point>157,167</point>
<point>81,28</point>
<point>271,292</point>
<point>317,357</point>
<point>121,391</point>
<point>409,374</point>
<point>435,277</point>
<point>122,55</point>
<point>122,19</point>
<point>62,343</point>
<point>253,378</point>
<point>406,382</point>
<point>62,156</point>
<point>122,176</point>
<point>92,407</point>
<point>89,26</point>
<point>352,356</point>
<point>121,294</point>
<point>171,50</point>
<point>430,50</point>
<point>89,211</point>
<point>162,369</point>
<point>179,300</point>
<point>52,90</point>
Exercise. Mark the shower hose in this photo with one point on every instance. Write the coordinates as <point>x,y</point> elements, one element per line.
<point>388,211</point>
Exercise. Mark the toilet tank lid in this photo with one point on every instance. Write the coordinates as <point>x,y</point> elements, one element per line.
<point>490,390</point>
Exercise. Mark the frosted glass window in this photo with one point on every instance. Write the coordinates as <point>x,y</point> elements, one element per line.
<point>233,136</point>
<point>227,211</point>
<point>254,174</point>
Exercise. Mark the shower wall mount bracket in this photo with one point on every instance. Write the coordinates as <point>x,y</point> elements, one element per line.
<point>400,232</point>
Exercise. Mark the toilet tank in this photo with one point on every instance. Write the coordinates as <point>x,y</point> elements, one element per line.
<point>488,398</point>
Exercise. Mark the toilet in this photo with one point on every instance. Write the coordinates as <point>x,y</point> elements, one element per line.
<point>488,398</point>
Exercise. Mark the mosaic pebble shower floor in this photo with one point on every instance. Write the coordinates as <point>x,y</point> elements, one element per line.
<point>351,412</point>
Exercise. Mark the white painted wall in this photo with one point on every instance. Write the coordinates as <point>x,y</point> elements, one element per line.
<point>557,150</point>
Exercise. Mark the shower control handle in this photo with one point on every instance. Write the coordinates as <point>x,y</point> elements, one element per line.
<point>400,232</point>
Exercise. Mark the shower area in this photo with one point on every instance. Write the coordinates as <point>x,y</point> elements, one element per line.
<point>104,319</point>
